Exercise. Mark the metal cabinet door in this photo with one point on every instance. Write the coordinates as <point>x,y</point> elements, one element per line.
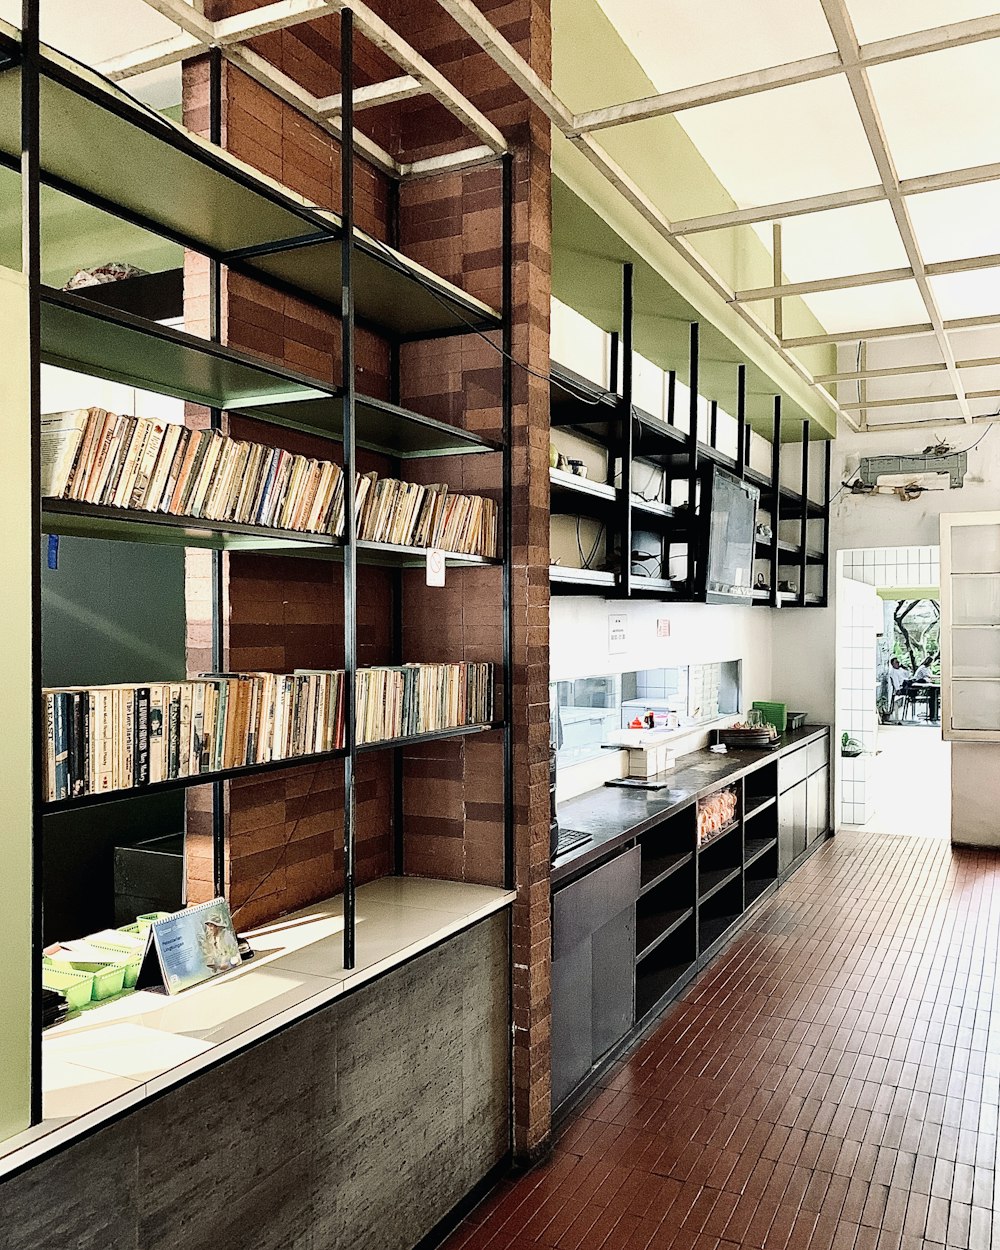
<point>818,805</point>
<point>791,825</point>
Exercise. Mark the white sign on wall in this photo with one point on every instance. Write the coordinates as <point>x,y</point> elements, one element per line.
<point>617,632</point>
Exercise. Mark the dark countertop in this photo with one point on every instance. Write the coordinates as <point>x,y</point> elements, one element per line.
<point>614,815</point>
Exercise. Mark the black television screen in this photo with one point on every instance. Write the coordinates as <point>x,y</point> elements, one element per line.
<point>730,506</point>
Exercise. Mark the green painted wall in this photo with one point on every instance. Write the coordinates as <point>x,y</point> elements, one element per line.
<point>16,701</point>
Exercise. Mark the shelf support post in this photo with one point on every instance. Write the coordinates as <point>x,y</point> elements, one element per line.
<point>741,421</point>
<point>827,463</point>
<point>626,432</point>
<point>350,457</point>
<point>218,568</point>
<point>671,400</point>
<point>31,266</point>
<point>775,499</point>
<point>804,524</point>
<point>694,350</point>
<point>507,512</point>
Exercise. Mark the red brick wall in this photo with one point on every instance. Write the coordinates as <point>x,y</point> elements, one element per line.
<point>288,832</point>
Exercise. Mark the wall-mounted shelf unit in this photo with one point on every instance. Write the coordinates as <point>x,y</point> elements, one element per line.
<point>90,140</point>
<point>646,449</point>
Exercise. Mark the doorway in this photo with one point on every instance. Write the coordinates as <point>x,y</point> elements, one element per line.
<point>896,771</point>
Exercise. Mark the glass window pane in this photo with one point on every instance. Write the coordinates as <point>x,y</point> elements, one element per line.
<point>975,549</point>
<point>975,653</point>
<point>975,600</point>
<point>975,705</point>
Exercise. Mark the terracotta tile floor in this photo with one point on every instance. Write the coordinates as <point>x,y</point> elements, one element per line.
<point>831,1081</point>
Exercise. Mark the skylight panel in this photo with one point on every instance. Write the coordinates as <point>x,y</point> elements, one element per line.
<point>957,223</point>
<point>784,144</point>
<point>940,111</point>
<point>973,294</point>
<point>844,241</point>
<point>868,307</point>
<point>680,43</point>
<point>96,30</point>
<point>875,20</point>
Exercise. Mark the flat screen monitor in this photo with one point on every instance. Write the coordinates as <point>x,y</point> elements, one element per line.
<point>730,507</point>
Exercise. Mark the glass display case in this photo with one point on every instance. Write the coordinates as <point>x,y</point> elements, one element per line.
<point>970,626</point>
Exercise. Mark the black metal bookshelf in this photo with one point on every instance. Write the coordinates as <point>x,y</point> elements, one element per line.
<point>66,127</point>
<point>632,439</point>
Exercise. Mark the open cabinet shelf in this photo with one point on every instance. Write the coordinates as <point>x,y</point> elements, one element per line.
<point>91,142</point>
<point>101,145</point>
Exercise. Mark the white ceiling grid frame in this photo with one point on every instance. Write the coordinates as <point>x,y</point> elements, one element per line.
<point>472,21</point>
<point>230,32</point>
<point>850,58</point>
<point>843,33</point>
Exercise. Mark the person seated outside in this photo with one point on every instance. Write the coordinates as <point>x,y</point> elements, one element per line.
<point>898,677</point>
<point>923,672</point>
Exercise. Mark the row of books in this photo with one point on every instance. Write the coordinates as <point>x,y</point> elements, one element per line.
<point>116,461</point>
<point>397,702</point>
<point>120,737</point>
<point>99,457</point>
<point>426,516</point>
<point>104,738</point>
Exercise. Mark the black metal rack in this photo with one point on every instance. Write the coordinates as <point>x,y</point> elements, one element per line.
<point>194,194</point>
<point>630,437</point>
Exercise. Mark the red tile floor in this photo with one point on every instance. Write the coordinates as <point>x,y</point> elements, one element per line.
<point>830,1081</point>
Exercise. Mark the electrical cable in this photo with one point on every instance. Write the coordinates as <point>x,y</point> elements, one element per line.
<point>588,560</point>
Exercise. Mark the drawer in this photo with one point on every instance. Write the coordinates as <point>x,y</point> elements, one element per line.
<point>792,768</point>
<point>818,754</point>
<point>581,909</point>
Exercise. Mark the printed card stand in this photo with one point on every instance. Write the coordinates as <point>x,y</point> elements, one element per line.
<point>190,947</point>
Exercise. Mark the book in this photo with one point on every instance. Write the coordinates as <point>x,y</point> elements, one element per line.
<point>60,437</point>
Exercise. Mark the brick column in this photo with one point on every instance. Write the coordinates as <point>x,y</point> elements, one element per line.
<point>453,795</point>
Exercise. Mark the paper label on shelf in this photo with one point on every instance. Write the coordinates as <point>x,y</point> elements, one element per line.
<point>435,566</point>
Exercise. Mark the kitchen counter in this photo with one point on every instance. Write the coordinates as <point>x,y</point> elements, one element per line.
<point>615,815</point>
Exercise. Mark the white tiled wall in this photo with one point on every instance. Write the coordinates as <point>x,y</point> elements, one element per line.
<point>858,622</point>
<point>894,566</point>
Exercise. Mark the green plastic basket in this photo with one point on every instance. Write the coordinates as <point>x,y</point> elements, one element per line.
<point>775,714</point>
<point>108,982</point>
<point>76,987</point>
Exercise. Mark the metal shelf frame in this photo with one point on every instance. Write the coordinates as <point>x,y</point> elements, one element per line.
<point>353,276</point>
<point>630,436</point>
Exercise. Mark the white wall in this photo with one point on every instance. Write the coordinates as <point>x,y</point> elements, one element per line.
<point>883,520</point>
<point>805,639</point>
<point>699,633</point>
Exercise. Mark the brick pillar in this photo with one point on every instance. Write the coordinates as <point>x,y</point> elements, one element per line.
<point>453,795</point>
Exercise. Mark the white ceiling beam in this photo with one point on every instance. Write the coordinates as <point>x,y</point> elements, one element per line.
<point>936,39</point>
<point>293,93</point>
<point>191,20</point>
<point>905,401</point>
<point>451,162</point>
<point>901,371</point>
<point>841,27</point>
<point>877,277</point>
<point>837,199</point>
<point>270,18</point>
<point>153,56</point>
<point>929,423</point>
<point>697,96</point>
<point>956,34</point>
<point>503,52</point>
<point>778,212</point>
<point>392,91</point>
<point>911,330</point>
<point>381,34</point>
<point>231,31</point>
